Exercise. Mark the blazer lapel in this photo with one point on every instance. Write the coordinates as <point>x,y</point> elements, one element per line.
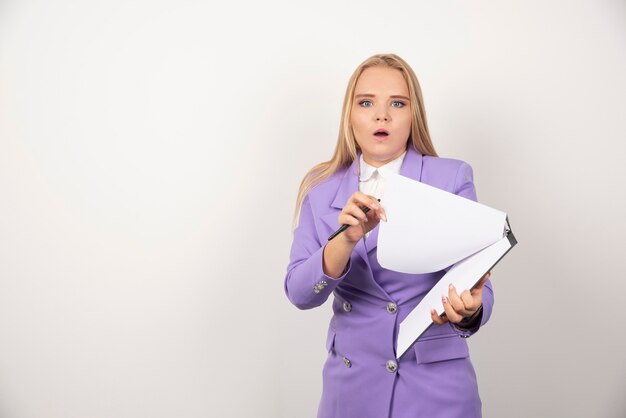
<point>348,185</point>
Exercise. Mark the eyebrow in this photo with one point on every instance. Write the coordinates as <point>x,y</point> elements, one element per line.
<point>395,96</point>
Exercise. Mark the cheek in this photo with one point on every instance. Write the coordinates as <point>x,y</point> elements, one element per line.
<point>357,121</point>
<point>406,122</point>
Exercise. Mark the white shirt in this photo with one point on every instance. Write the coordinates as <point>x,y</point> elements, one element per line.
<point>370,180</point>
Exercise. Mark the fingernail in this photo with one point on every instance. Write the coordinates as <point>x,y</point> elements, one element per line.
<point>433,312</point>
<point>383,217</point>
<point>450,286</point>
<point>444,299</point>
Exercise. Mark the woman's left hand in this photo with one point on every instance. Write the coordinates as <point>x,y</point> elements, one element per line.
<point>460,307</point>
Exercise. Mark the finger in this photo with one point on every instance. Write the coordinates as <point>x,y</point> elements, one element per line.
<point>354,210</point>
<point>378,216</point>
<point>470,302</point>
<point>373,203</point>
<point>345,218</point>
<point>478,289</point>
<point>482,281</point>
<point>436,318</point>
<point>365,200</point>
<point>381,214</point>
<point>368,202</point>
<point>453,316</point>
<point>457,303</point>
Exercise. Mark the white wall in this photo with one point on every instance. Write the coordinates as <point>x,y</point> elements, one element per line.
<point>150,153</point>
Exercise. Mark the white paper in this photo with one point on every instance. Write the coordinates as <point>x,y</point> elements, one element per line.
<point>429,229</point>
<point>463,275</point>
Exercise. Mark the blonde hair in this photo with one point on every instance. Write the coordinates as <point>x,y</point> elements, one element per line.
<point>346,148</point>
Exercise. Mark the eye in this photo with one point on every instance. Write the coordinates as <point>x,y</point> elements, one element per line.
<point>363,103</point>
<point>398,102</point>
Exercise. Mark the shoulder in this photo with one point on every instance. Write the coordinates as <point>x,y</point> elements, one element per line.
<point>327,188</point>
<point>443,164</point>
<point>445,173</point>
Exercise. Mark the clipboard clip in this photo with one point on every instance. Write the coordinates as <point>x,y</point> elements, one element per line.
<point>507,227</point>
<point>509,233</point>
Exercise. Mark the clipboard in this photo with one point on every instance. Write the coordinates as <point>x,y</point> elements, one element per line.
<point>464,237</point>
<point>465,274</point>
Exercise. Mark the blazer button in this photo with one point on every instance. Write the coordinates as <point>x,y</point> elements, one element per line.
<point>319,286</point>
<point>392,308</point>
<point>347,307</point>
<point>392,366</point>
<point>347,362</point>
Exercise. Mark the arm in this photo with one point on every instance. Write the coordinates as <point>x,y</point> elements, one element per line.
<point>464,186</point>
<point>314,269</point>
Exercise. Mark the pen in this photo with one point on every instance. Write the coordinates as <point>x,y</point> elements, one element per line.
<point>345,226</point>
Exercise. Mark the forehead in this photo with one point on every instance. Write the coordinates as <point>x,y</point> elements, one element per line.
<point>381,81</point>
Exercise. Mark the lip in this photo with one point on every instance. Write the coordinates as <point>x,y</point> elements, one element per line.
<point>381,138</point>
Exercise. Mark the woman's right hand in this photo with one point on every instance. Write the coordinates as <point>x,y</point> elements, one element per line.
<point>359,221</point>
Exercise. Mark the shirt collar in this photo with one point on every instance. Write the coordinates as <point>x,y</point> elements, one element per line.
<point>368,171</point>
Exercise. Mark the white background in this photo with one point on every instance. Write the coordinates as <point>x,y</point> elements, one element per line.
<point>150,154</point>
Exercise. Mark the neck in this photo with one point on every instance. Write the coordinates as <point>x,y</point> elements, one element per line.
<point>377,164</point>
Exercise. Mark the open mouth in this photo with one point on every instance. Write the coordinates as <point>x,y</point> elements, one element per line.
<point>381,133</point>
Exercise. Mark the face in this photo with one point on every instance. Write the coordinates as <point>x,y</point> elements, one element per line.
<point>381,103</point>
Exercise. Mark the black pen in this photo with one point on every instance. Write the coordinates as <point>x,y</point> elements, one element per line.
<point>345,226</point>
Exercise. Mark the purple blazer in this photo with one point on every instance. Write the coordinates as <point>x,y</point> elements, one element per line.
<point>361,376</point>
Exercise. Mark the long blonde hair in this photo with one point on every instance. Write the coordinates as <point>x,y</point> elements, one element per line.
<point>346,149</point>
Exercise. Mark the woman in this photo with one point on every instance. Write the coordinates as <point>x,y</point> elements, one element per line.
<point>383,123</point>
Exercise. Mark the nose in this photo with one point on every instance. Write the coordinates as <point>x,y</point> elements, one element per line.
<point>381,115</point>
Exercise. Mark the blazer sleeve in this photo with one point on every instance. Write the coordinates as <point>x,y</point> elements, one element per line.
<point>306,284</point>
<point>464,187</point>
